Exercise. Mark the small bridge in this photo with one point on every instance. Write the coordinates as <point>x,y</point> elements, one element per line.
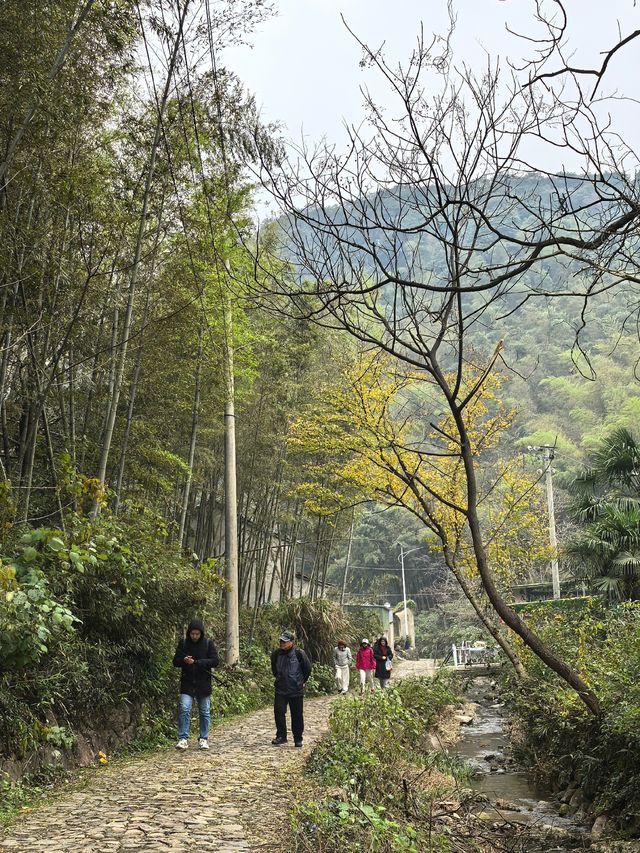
<point>466,658</point>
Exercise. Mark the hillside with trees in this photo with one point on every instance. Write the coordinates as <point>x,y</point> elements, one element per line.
<point>201,413</point>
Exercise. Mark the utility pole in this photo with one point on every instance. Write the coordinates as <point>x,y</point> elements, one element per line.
<point>232,621</point>
<point>548,452</point>
<point>403,554</point>
<point>404,594</point>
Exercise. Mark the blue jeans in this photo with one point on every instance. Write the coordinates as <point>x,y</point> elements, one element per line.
<point>184,715</point>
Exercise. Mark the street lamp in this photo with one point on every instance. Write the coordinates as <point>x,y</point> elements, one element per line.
<point>403,554</point>
<point>548,452</point>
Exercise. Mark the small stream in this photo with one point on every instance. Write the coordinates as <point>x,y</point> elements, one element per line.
<point>512,796</point>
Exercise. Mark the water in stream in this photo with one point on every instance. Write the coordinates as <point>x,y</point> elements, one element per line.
<point>512,795</point>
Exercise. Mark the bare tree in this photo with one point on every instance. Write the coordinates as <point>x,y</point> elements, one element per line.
<point>551,59</point>
<point>435,225</point>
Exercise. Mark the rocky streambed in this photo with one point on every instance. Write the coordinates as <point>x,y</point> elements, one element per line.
<point>507,801</point>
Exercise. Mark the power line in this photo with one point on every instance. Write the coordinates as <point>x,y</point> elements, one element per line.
<point>393,569</point>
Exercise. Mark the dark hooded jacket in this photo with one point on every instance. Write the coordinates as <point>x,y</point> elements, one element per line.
<point>291,669</point>
<point>196,677</point>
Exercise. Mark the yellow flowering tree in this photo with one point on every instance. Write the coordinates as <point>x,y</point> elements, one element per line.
<point>376,432</point>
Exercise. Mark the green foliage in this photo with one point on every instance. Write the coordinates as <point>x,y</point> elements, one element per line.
<point>372,745</point>
<point>321,681</point>
<point>369,733</point>
<point>451,622</point>
<point>30,619</point>
<point>15,796</point>
<point>352,826</point>
<point>558,737</point>
<point>318,624</point>
<point>606,508</point>
<point>88,621</point>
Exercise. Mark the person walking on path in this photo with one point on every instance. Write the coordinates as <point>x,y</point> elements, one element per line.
<point>365,664</point>
<point>383,655</point>
<point>197,656</point>
<point>291,669</point>
<point>342,660</point>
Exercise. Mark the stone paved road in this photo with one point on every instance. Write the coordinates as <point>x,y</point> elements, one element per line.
<point>233,798</point>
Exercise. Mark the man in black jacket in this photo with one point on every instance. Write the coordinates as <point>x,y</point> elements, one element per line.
<point>197,656</point>
<point>291,669</point>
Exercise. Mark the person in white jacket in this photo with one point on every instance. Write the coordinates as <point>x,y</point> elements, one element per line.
<point>342,660</point>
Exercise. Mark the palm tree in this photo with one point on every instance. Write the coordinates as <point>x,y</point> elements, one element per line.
<point>607,509</point>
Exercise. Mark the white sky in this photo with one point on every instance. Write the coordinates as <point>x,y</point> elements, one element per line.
<point>303,66</point>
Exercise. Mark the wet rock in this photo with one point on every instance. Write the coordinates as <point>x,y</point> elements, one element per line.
<point>487,817</point>
<point>576,802</point>
<point>558,833</point>
<point>507,806</point>
<point>464,719</point>
<point>565,797</point>
<point>600,827</point>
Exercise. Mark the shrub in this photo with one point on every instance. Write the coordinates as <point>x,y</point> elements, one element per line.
<point>564,743</point>
<point>334,826</point>
<point>88,623</point>
<point>374,743</point>
<point>319,623</point>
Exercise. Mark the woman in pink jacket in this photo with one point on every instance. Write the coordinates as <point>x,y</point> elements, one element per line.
<point>365,664</point>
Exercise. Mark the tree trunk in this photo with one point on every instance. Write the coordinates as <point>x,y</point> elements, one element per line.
<point>489,624</point>
<point>506,613</point>
<point>192,442</point>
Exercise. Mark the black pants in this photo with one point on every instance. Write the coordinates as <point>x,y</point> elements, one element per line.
<point>296,707</point>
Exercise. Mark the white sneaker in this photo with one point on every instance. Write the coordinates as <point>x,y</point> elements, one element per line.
<point>182,743</point>
<point>203,743</point>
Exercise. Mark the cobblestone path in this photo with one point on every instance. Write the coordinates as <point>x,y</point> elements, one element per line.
<point>232,798</point>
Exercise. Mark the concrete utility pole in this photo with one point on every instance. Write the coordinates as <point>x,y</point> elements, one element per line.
<point>403,554</point>
<point>548,452</point>
<point>232,620</point>
<point>404,594</point>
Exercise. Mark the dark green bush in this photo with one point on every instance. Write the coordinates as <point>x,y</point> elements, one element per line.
<point>352,827</point>
<point>88,622</point>
<point>558,737</point>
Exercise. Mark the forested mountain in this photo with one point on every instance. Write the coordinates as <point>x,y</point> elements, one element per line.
<point>568,342</point>
<point>570,345</point>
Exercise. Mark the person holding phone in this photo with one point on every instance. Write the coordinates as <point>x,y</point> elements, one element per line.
<point>196,655</point>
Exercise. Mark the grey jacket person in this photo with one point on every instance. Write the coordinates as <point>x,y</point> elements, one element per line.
<point>342,657</point>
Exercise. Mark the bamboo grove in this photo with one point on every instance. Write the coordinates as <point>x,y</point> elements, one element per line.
<point>125,221</point>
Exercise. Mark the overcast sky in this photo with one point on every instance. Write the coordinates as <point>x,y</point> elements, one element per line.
<point>304,65</point>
